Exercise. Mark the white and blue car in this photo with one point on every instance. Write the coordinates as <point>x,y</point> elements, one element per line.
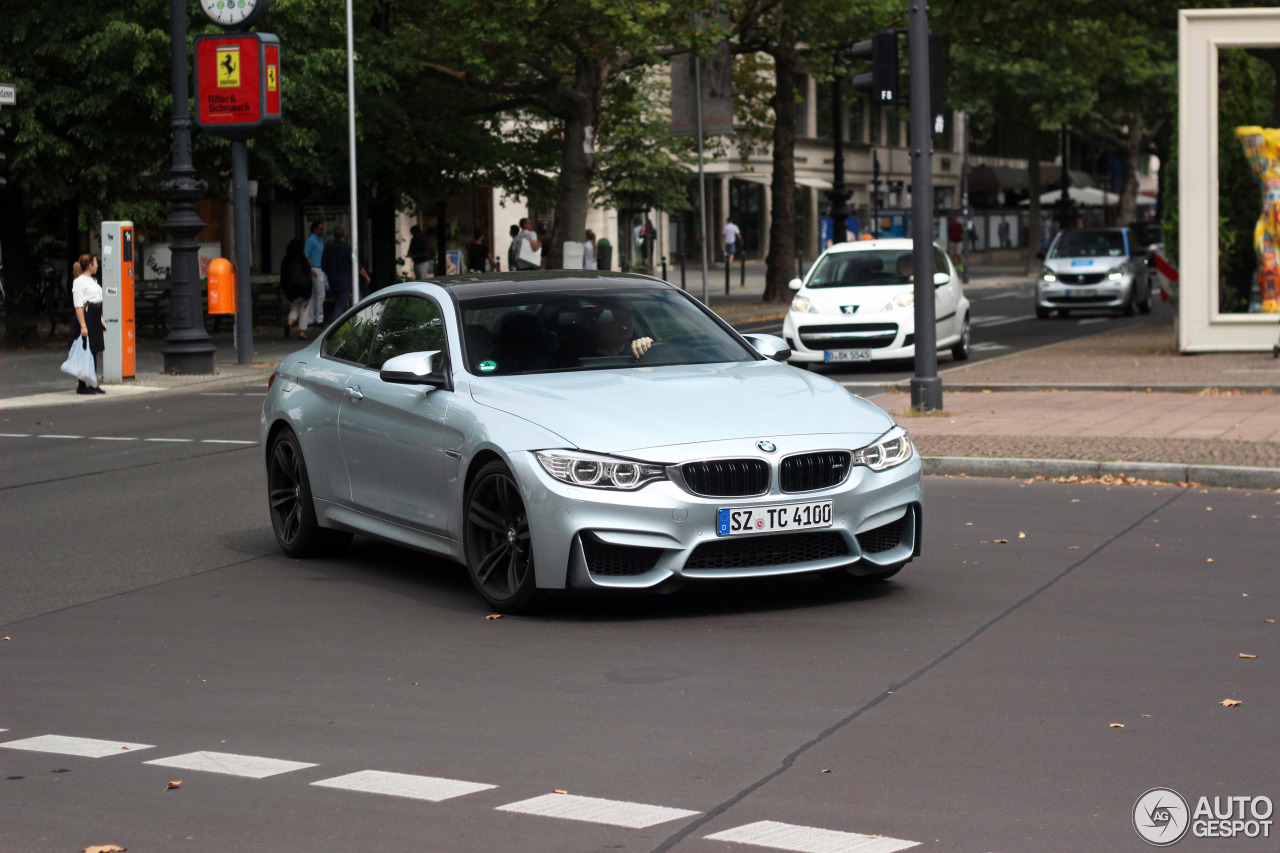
<point>1092,268</point>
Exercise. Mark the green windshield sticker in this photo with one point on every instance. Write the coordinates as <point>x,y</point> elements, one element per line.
<point>487,366</point>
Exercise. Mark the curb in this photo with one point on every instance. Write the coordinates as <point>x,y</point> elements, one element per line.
<point>1229,476</point>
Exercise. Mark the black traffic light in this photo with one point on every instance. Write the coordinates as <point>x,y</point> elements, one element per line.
<point>882,82</point>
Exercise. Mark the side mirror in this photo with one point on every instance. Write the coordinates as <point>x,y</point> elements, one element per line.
<point>794,284</point>
<point>770,346</point>
<point>940,278</point>
<point>413,368</point>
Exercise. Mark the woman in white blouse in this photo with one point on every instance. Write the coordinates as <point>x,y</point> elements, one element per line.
<point>589,261</point>
<point>86,297</point>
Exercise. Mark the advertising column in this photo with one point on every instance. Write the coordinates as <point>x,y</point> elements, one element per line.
<point>119,358</point>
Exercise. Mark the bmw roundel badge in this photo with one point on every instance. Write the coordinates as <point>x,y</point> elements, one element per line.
<point>766,445</point>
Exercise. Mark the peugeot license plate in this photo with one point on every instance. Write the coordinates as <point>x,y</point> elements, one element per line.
<point>772,519</point>
<point>847,355</point>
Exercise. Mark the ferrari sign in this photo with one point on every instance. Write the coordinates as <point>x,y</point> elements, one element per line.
<point>237,83</point>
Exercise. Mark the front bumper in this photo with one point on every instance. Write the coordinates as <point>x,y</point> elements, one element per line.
<point>598,539</point>
<point>1109,293</point>
<point>886,336</point>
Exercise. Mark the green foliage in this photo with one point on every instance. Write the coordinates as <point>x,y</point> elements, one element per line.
<point>640,164</point>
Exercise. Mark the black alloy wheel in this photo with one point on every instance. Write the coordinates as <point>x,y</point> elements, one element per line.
<point>293,513</point>
<point>499,544</point>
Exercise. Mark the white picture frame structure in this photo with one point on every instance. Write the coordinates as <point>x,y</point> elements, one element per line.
<point>1201,33</point>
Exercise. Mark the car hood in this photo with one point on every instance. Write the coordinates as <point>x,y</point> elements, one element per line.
<point>1084,265</point>
<point>868,300</point>
<point>625,411</point>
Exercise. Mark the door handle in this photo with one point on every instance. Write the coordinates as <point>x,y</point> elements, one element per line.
<point>353,391</point>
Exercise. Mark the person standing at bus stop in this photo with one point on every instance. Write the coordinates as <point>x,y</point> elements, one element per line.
<point>314,250</point>
<point>86,298</point>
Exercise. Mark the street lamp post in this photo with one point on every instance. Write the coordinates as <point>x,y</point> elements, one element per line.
<point>187,349</point>
<point>926,386</point>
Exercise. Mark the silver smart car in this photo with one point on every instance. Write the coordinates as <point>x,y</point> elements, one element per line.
<point>584,431</point>
<point>1094,268</point>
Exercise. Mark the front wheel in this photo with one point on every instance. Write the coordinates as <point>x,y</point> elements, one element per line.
<point>293,512</point>
<point>498,541</point>
<point>1042,313</point>
<point>961,351</point>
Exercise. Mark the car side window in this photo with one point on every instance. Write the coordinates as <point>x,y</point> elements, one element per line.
<point>351,341</point>
<point>940,261</point>
<point>410,324</point>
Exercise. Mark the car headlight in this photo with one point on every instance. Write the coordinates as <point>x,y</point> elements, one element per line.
<point>802,305</point>
<point>1116,276</point>
<point>598,472</point>
<point>905,300</point>
<point>1048,274</point>
<point>892,448</point>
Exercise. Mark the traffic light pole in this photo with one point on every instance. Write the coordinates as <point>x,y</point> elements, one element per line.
<point>926,386</point>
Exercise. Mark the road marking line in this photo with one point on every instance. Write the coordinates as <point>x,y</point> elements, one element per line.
<point>809,839</point>
<point>82,746</point>
<point>252,766</point>
<point>987,346</point>
<point>992,318</point>
<point>59,436</point>
<point>1013,295</point>
<point>596,810</point>
<point>1093,320</point>
<point>113,438</point>
<point>429,788</point>
<point>171,440</point>
<point>1003,321</point>
<point>217,394</point>
<point>15,435</point>
<point>225,441</point>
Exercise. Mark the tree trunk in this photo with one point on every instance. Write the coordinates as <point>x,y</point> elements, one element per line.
<point>780,264</point>
<point>383,269</point>
<point>442,237</point>
<point>579,110</point>
<point>1035,225</point>
<point>1133,145</point>
<point>21,299</point>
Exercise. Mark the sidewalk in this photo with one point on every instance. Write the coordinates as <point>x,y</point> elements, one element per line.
<point>1120,403</point>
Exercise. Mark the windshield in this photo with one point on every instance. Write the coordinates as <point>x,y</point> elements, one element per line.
<point>1089,244</point>
<point>869,268</point>
<point>591,330</point>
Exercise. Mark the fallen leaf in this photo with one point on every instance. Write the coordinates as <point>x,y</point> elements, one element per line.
<point>1210,560</point>
<point>172,785</point>
<point>494,616</point>
<point>1001,541</point>
<point>1230,703</point>
<point>1117,725</point>
<point>105,848</point>
<point>826,771</point>
<point>1148,716</point>
<point>6,639</point>
<point>124,747</point>
<point>1243,655</point>
<point>1073,547</point>
<point>1021,535</point>
<point>558,791</point>
<point>1264,620</point>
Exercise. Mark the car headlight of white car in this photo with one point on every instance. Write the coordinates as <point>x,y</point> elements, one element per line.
<point>802,305</point>
<point>891,449</point>
<point>1117,275</point>
<point>598,472</point>
<point>1048,274</point>
<point>902,300</point>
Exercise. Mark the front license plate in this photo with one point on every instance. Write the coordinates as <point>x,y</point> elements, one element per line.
<point>847,355</point>
<point>772,519</point>
<point>1079,292</point>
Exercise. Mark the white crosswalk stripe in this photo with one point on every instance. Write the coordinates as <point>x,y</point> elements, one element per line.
<point>808,839</point>
<point>987,346</point>
<point>132,438</point>
<point>596,810</point>
<point>252,766</point>
<point>81,746</point>
<point>427,788</point>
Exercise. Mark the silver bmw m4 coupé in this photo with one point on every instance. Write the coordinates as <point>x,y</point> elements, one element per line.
<point>575,430</point>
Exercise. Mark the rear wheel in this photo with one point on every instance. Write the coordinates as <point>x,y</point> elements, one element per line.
<point>293,512</point>
<point>1129,309</point>
<point>498,541</point>
<point>961,351</point>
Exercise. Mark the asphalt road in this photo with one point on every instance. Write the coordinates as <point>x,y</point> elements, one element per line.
<point>967,705</point>
<point>1003,322</point>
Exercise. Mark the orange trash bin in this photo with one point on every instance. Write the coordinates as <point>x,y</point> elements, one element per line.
<point>222,287</point>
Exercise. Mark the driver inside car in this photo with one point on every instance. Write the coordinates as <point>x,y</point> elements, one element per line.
<point>612,333</point>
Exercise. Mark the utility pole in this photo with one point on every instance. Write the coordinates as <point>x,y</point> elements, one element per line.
<point>838,194</point>
<point>926,386</point>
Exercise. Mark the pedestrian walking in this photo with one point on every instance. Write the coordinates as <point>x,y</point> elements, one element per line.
<point>514,247</point>
<point>295,286</point>
<point>419,254</point>
<point>1002,231</point>
<point>650,241</point>
<point>319,280</point>
<point>589,261</point>
<point>478,252</point>
<point>86,298</point>
<point>528,247</point>
<point>337,267</point>
<point>732,236</point>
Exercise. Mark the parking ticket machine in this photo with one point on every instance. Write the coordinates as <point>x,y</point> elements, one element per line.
<point>119,359</point>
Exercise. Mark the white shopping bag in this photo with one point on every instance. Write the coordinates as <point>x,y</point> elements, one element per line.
<point>79,363</point>
<point>529,255</point>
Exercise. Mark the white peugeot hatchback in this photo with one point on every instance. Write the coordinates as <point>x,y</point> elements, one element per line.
<point>858,304</point>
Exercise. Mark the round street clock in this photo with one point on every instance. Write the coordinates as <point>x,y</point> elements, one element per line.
<point>235,14</point>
